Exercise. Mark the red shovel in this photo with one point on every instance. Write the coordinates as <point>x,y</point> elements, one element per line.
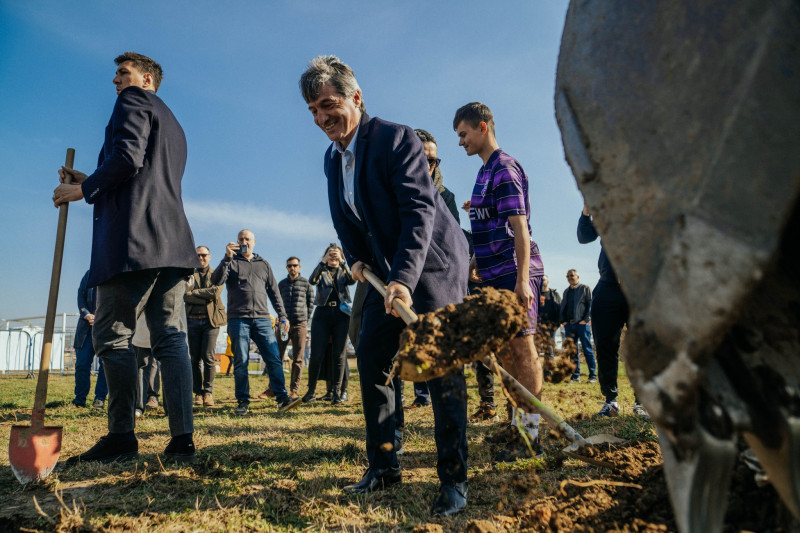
<point>33,450</point>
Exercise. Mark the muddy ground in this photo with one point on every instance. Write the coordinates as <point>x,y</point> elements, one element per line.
<point>632,497</point>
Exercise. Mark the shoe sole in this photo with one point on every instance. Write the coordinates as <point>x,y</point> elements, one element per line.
<point>121,458</point>
<point>180,458</point>
<point>290,406</point>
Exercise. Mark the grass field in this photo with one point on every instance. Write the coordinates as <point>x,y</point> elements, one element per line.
<point>266,471</point>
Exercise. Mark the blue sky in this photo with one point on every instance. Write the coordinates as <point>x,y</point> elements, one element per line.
<point>255,156</point>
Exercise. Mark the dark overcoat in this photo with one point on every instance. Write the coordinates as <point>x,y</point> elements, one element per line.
<point>139,221</point>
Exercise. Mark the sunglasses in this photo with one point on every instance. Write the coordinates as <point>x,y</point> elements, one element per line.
<point>433,161</point>
<point>292,266</point>
<point>203,255</point>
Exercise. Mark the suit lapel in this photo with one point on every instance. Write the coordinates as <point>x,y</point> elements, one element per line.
<point>361,152</point>
<point>337,183</point>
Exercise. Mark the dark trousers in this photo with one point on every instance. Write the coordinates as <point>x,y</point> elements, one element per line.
<point>609,316</point>
<point>297,336</point>
<point>149,382</point>
<point>158,293</point>
<point>377,346</point>
<point>328,323</point>
<point>422,395</point>
<point>485,379</point>
<point>580,333</point>
<point>202,342</point>
<point>84,356</point>
<point>327,363</point>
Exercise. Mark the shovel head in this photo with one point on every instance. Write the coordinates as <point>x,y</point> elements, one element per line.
<point>33,452</point>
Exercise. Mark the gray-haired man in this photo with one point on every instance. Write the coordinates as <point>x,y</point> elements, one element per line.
<point>389,218</point>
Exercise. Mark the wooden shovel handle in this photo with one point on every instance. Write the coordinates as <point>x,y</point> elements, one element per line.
<point>50,319</point>
<point>400,306</point>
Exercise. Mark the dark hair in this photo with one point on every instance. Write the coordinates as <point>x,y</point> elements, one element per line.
<point>473,114</point>
<point>425,136</point>
<point>293,257</point>
<point>143,64</point>
<point>329,69</point>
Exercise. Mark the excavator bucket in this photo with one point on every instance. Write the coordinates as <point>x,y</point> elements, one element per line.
<point>680,121</point>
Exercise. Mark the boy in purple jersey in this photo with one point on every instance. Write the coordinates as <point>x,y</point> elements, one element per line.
<point>506,258</point>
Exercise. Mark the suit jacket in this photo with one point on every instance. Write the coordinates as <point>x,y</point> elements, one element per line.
<point>87,303</point>
<point>406,232</point>
<point>139,222</point>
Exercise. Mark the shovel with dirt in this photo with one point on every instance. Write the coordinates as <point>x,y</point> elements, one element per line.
<point>435,344</point>
<point>33,450</point>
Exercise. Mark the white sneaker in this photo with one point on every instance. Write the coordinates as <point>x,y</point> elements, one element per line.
<point>639,410</point>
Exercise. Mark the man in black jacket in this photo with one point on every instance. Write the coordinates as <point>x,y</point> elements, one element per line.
<point>298,297</point>
<point>549,317</point>
<point>142,252</point>
<point>575,308</point>
<point>249,280</point>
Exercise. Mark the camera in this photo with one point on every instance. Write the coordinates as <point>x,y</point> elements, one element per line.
<point>243,249</point>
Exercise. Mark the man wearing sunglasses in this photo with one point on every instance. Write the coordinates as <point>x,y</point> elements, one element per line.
<point>298,297</point>
<point>205,314</point>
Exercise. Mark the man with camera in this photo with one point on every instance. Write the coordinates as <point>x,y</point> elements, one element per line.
<point>250,281</point>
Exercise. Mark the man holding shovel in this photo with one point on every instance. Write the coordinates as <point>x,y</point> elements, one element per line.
<point>142,253</point>
<point>506,258</point>
<point>390,219</point>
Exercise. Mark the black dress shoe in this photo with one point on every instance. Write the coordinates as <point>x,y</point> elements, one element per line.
<point>376,479</point>
<point>452,499</point>
<point>180,449</point>
<point>328,397</point>
<point>109,449</point>
<point>309,397</point>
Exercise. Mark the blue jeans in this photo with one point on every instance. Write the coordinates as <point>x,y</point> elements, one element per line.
<point>580,333</point>
<point>241,330</point>
<point>83,375</point>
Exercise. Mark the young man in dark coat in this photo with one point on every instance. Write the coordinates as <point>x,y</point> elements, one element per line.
<point>142,252</point>
<point>390,219</point>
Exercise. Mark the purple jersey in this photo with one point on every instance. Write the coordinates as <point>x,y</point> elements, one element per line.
<point>501,191</point>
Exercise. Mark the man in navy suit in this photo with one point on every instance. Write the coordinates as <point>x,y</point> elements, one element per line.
<point>142,252</point>
<point>390,219</point>
<point>84,350</point>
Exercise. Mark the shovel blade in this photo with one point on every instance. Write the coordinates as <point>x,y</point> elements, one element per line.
<point>33,452</point>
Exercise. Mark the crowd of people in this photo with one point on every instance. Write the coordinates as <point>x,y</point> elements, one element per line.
<point>392,215</point>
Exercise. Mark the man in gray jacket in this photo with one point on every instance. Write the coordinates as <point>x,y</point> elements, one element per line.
<point>575,307</point>
<point>250,281</point>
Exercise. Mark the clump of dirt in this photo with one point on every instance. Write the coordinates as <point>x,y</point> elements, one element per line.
<point>558,368</point>
<point>448,338</point>
<point>480,526</point>
<point>633,497</point>
<point>428,528</point>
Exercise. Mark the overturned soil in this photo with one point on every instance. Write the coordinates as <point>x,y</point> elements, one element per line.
<point>631,497</point>
<point>455,335</point>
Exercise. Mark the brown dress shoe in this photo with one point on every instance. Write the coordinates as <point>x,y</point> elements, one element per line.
<point>208,400</point>
<point>152,403</point>
<point>293,395</point>
<point>266,394</point>
<point>198,399</point>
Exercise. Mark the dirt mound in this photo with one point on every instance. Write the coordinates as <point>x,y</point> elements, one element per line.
<point>631,498</point>
<point>455,335</point>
